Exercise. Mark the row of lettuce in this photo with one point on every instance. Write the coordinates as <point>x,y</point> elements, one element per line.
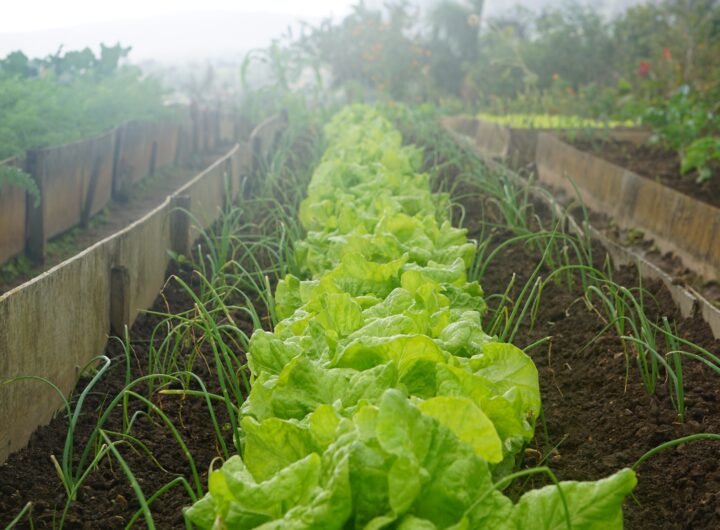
<point>378,401</point>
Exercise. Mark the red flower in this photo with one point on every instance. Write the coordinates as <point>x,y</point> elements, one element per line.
<point>643,69</point>
<point>666,54</point>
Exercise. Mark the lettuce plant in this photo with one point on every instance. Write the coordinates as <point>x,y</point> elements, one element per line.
<point>378,401</point>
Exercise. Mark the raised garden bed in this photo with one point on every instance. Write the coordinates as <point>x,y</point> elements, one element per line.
<point>654,163</point>
<point>516,146</point>
<point>676,232</point>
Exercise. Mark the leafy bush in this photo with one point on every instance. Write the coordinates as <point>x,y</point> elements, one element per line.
<point>370,50</point>
<point>679,120</point>
<point>688,124</point>
<point>701,155</point>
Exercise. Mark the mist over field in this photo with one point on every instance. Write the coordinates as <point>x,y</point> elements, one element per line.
<point>172,38</point>
<point>179,36</point>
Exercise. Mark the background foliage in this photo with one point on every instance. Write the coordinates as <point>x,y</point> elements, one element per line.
<point>657,63</point>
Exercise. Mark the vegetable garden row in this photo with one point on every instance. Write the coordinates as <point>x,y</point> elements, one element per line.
<point>326,358</point>
<point>379,400</point>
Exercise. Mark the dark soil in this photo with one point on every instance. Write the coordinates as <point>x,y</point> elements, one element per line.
<point>106,500</point>
<point>599,426</point>
<point>657,164</point>
<point>596,424</point>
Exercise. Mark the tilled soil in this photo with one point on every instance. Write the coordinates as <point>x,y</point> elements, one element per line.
<point>106,500</point>
<point>657,164</point>
<point>596,423</point>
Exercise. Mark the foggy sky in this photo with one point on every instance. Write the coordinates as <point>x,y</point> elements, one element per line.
<point>174,30</point>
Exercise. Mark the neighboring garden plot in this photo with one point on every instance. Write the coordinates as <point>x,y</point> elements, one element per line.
<point>69,97</point>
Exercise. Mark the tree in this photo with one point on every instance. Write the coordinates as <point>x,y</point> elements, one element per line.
<point>15,64</point>
<point>455,29</point>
